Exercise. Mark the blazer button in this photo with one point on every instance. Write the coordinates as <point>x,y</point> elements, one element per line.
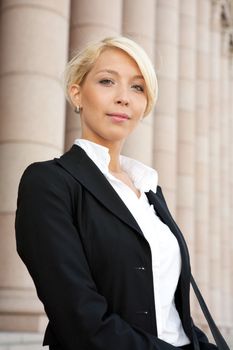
<point>142,312</point>
<point>140,268</point>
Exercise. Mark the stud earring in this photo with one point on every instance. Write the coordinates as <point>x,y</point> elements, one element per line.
<point>77,109</point>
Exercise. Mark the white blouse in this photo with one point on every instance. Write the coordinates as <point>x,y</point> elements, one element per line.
<point>166,259</point>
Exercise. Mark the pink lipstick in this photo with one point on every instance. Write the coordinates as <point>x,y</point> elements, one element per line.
<point>119,117</point>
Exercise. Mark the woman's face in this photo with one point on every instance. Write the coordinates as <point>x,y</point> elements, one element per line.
<point>112,98</point>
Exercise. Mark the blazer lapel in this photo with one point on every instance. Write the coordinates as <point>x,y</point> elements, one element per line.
<point>161,209</point>
<point>83,169</point>
<point>183,290</point>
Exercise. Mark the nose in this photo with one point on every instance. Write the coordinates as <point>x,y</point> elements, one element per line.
<point>122,97</point>
<point>123,102</point>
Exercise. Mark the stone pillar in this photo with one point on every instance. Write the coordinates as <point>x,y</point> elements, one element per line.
<point>33,47</point>
<point>138,24</point>
<point>185,209</point>
<point>230,147</point>
<point>231,180</point>
<point>202,238</point>
<point>165,138</point>
<point>90,20</point>
<point>214,163</point>
<point>224,178</point>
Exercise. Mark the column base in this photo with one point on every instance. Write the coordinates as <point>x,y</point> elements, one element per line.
<point>21,341</point>
<point>21,310</point>
<point>23,323</point>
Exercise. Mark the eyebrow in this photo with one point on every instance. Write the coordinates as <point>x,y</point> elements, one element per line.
<point>116,73</point>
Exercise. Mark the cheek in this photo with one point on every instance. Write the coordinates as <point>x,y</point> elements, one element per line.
<point>141,105</point>
<point>88,100</point>
<point>95,101</point>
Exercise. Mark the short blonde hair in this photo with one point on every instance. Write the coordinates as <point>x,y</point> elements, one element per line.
<point>80,65</point>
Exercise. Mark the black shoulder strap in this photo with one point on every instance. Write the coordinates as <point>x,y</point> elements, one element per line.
<point>220,341</point>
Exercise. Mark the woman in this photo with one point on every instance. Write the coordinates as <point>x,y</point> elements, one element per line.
<point>109,264</point>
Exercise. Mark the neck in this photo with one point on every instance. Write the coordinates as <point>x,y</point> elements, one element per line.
<point>114,164</point>
<point>114,152</point>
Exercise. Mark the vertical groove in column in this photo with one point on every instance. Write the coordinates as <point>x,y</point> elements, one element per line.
<point>231,187</point>
<point>90,21</point>
<point>165,141</point>
<point>138,24</point>
<point>186,124</point>
<point>230,193</point>
<point>202,152</point>
<point>214,163</point>
<point>224,179</point>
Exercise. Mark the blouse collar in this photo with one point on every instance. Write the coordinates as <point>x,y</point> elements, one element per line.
<point>144,177</point>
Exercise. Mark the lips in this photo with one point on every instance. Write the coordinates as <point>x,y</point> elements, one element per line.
<point>118,116</point>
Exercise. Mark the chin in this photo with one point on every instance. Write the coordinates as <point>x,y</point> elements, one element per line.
<point>117,137</point>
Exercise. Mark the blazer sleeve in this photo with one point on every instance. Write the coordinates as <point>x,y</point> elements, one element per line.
<point>50,246</point>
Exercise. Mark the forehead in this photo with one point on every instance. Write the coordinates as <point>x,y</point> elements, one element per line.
<point>116,59</point>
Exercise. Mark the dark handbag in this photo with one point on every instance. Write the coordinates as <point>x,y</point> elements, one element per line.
<point>220,341</point>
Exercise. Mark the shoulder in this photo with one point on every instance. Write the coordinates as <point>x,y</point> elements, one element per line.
<point>42,171</point>
<point>46,175</point>
<point>42,168</point>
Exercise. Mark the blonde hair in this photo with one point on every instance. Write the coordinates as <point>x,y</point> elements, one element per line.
<point>80,65</point>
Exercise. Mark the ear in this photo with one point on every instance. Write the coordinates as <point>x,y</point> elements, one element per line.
<point>75,94</point>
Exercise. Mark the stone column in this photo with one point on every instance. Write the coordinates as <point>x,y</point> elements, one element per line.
<point>202,239</point>
<point>165,138</point>
<point>230,146</point>
<point>138,24</point>
<point>231,179</point>
<point>90,20</point>
<point>214,162</point>
<point>185,211</point>
<point>33,52</point>
<point>224,178</point>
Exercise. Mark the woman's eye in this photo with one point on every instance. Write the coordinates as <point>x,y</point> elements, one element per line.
<point>138,88</point>
<point>107,82</point>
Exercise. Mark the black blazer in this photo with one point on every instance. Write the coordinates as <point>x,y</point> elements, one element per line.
<point>89,260</point>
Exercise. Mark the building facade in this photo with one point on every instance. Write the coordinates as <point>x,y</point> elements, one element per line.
<point>188,138</point>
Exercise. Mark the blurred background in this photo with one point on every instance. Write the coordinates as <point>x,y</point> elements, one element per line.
<point>188,138</point>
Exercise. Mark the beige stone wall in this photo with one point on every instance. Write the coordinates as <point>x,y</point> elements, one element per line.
<point>188,138</point>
